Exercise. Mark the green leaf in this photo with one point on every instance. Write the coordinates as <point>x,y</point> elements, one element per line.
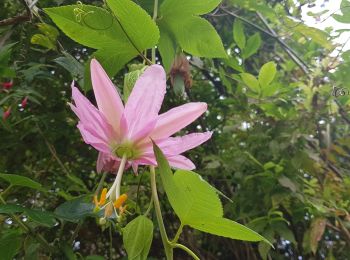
<point>318,36</point>
<point>137,237</point>
<point>88,25</point>
<point>252,46</point>
<point>18,180</point>
<point>201,197</point>
<point>238,33</point>
<point>166,47</point>
<point>179,22</point>
<point>344,8</point>
<point>251,82</point>
<point>5,53</point>
<point>139,23</point>
<point>44,218</point>
<point>130,80</point>
<point>267,74</point>
<point>10,244</point>
<point>74,67</point>
<point>76,209</point>
<point>49,31</point>
<point>10,209</point>
<point>180,8</point>
<point>42,40</point>
<point>198,37</point>
<point>111,34</point>
<point>287,183</point>
<point>197,204</point>
<point>226,228</point>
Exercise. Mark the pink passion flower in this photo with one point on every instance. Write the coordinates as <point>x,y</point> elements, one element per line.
<point>123,135</point>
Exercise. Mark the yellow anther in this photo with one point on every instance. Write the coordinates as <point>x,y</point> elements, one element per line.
<point>120,201</point>
<point>103,197</point>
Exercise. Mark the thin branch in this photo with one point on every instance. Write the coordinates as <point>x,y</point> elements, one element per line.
<point>291,53</point>
<point>23,17</point>
<point>342,112</point>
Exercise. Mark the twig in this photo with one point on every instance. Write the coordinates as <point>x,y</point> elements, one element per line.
<point>23,17</point>
<point>342,112</point>
<point>291,53</point>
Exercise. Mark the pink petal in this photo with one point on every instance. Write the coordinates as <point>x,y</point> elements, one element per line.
<point>144,132</point>
<point>92,125</point>
<point>145,99</point>
<point>177,145</point>
<point>105,163</point>
<point>106,94</point>
<point>177,118</point>
<point>181,162</point>
<point>92,138</point>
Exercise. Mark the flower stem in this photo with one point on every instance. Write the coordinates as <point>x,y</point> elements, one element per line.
<point>115,189</point>
<point>189,251</point>
<point>155,13</point>
<point>167,246</point>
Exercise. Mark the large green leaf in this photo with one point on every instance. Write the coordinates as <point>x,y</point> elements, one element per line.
<point>197,36</point>
<point>18,180</point>
<point>179,22</point>
<point>201,197</point>
<point>119,37</point>
<point>186,7</point>
<point>138,25</point>
<point>76,209</point>
<point>197,204</point>
<point>10,244</point>
<point>137,237</point>
<point>166,47</point>
<point>226,228</point>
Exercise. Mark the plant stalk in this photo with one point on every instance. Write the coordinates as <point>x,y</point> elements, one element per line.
<point>167,246</point>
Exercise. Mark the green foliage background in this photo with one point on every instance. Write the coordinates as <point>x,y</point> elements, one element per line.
<point>280,149</point>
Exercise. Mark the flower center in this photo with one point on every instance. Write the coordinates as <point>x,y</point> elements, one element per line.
<point>126,148</point>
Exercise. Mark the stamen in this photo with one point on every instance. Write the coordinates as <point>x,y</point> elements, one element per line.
<point>103,197</point>
<point>120,201</point>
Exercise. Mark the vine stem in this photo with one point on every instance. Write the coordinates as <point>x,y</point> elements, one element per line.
<point>155,13</point>
<point>167,246</point>
<point>178,233</point>
<point>188,251</point>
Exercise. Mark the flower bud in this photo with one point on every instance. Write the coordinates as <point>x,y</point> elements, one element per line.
<point>7,85</point>
<point>102,221</point>
<point>24,102</point>
<point>6,114</point>
<point>181,67</point>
